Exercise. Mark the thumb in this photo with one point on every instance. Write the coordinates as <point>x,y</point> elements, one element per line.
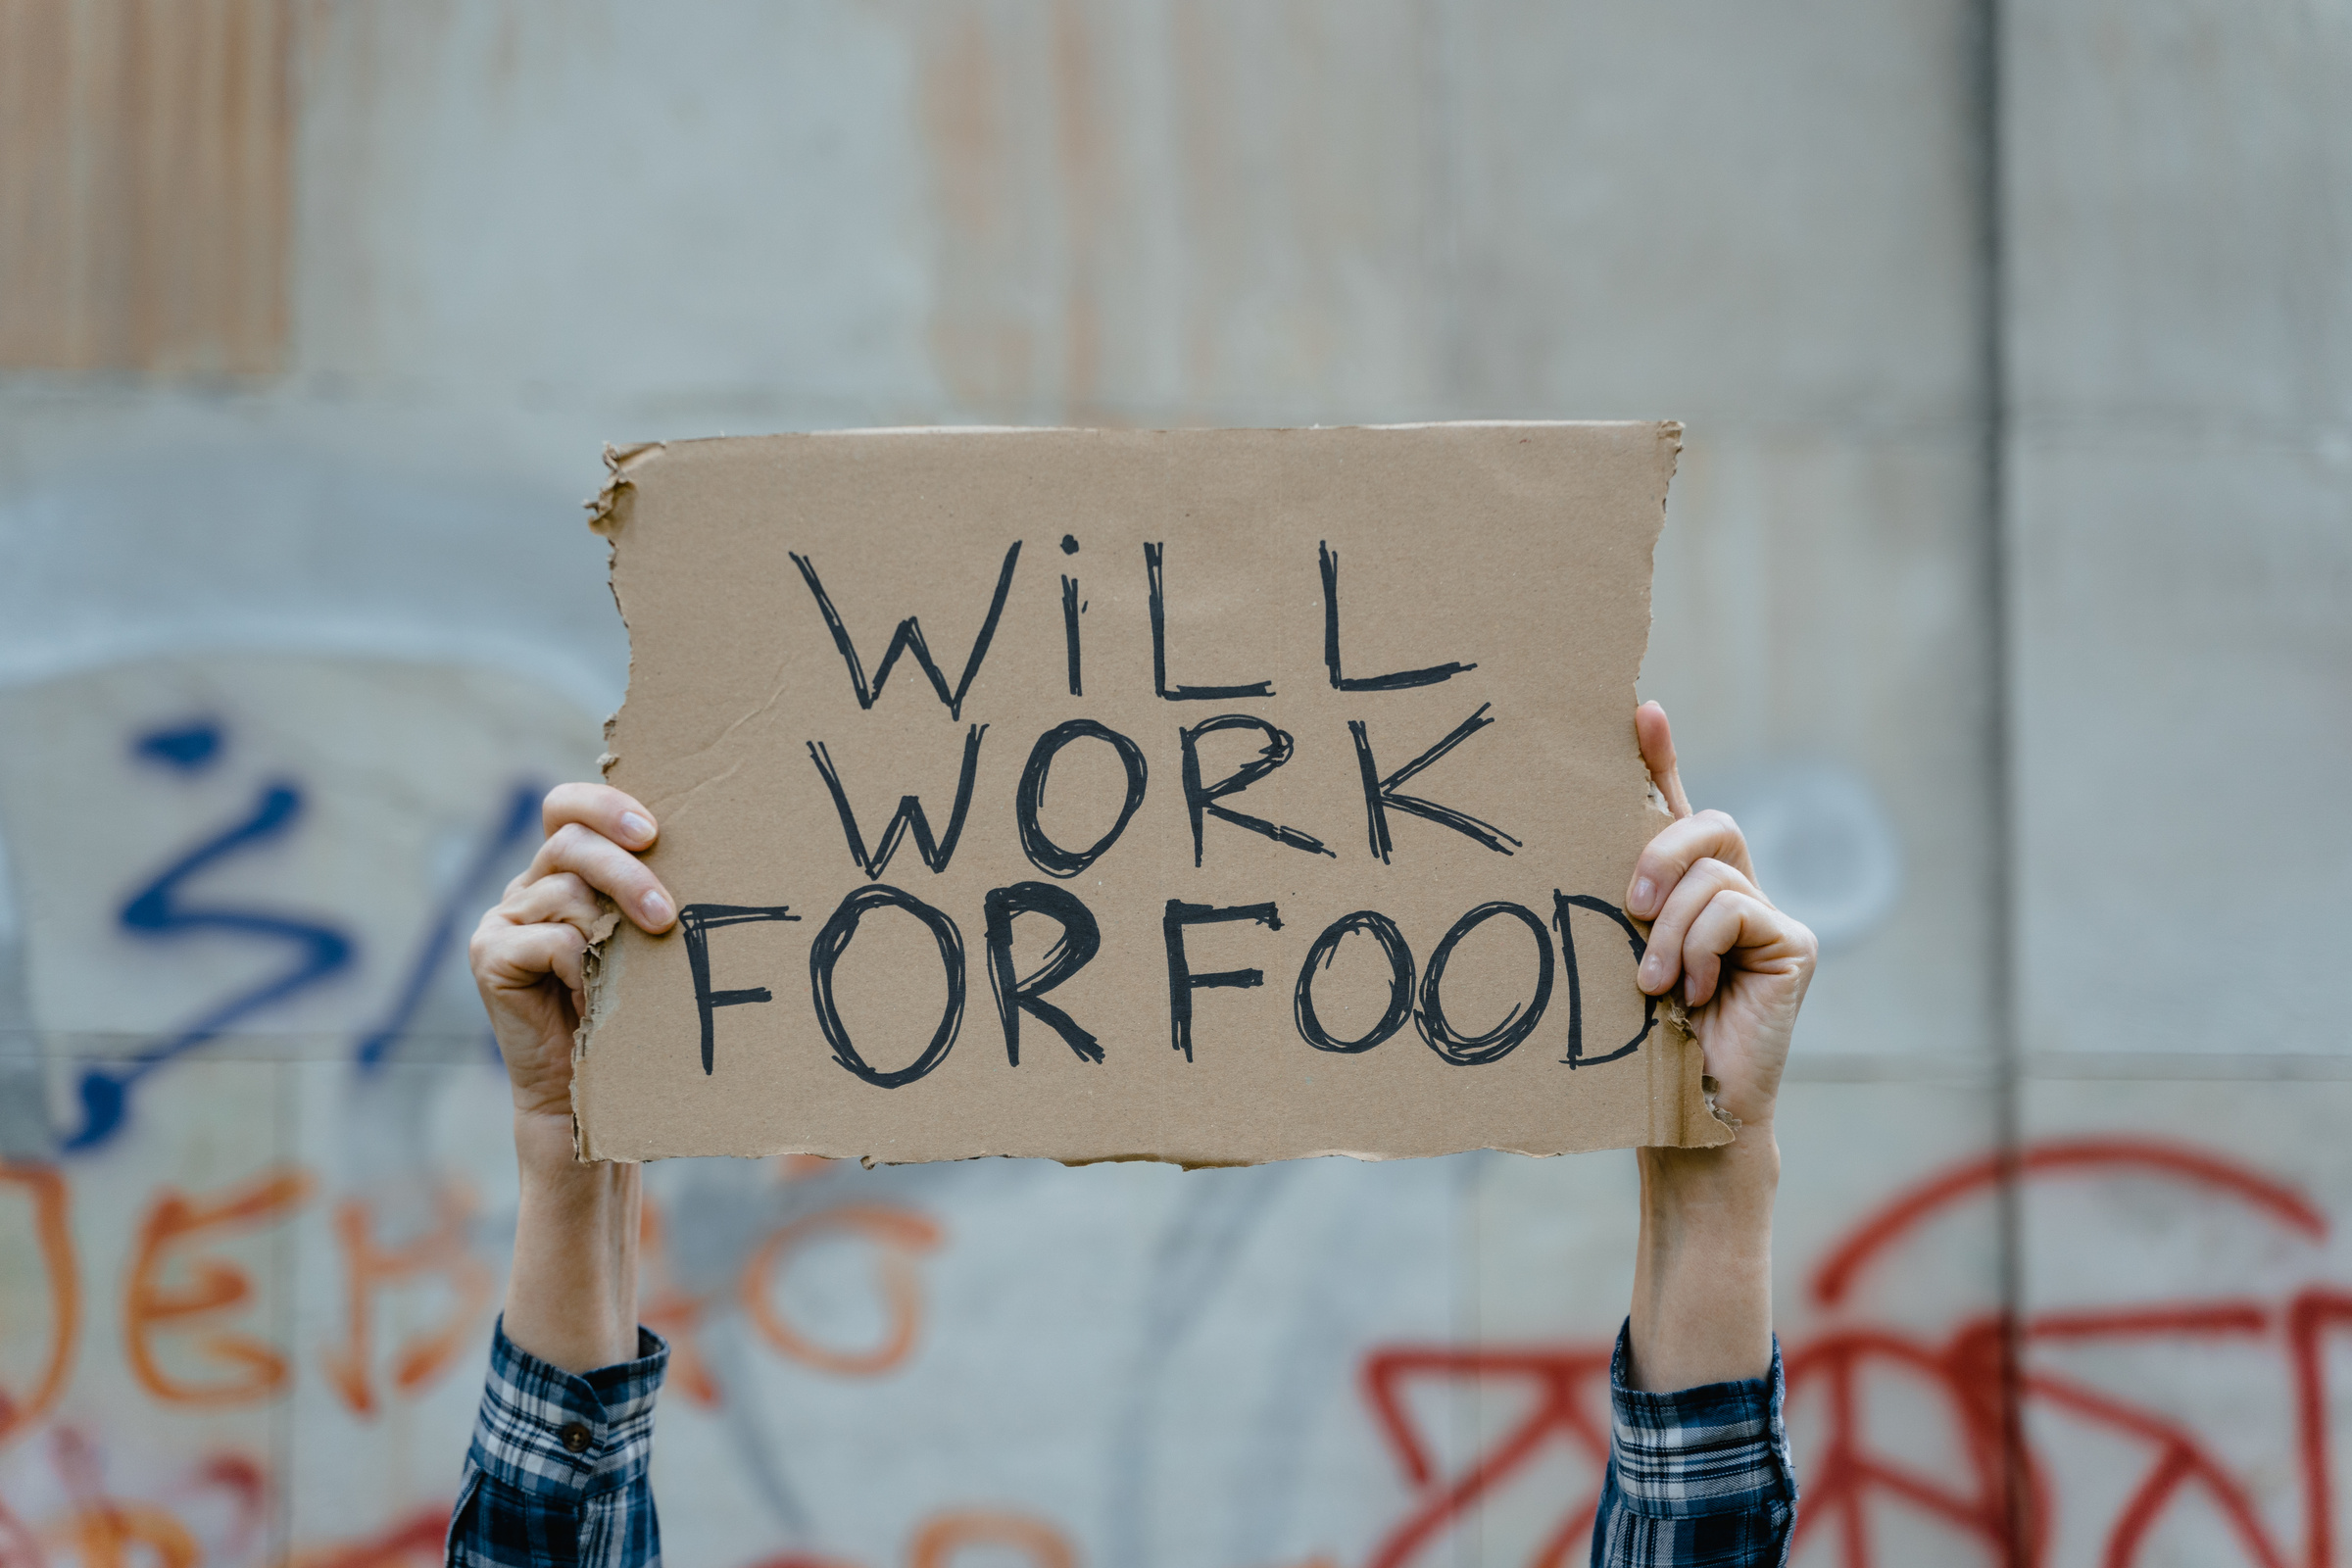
<point>1656,737</point>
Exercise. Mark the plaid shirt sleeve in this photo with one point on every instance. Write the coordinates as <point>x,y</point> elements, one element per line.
<point>557,1477</point>
<point>1699,1478</point>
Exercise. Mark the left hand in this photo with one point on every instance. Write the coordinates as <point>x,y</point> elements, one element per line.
<point>1742,964</point>
<point>527,951</point>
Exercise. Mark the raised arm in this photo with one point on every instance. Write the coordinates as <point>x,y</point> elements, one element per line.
<point>557,1472</point>
<point>1699,1469</point>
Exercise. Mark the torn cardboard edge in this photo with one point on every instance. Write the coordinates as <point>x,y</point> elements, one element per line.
<point>1687,1117</point>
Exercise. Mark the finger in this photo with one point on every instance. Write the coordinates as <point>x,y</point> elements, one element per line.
<point>517,958</point>
<point>1674,850</point>
<point>1662,956</point>
<point>610,869</point>
<point>1656,737</point>
<point>1737,930</point>
<point>563,897</point>
<point>601,809</point>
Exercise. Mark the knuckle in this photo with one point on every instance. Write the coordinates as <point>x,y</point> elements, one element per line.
<point>488,937</point>
<point>552,807</point>
<point>570,841</point>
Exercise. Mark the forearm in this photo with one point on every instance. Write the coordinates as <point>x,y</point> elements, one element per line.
<point>1703,1277</point>
<point>572,1299</point>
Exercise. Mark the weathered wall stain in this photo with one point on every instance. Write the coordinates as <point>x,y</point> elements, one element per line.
<point>145,181</point>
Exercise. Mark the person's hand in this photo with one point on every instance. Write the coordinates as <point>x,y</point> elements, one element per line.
<point>571,1296</point>
<point>1739,965</point>
<point>526,951</point>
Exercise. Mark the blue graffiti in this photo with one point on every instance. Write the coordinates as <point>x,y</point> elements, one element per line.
<point>157,913</point>
<point>516,820</point>
<point>187,747</point>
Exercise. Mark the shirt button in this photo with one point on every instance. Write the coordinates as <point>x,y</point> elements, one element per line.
<point>575,1438</point>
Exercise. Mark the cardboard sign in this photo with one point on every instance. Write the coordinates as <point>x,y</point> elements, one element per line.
<point>1214,796</point>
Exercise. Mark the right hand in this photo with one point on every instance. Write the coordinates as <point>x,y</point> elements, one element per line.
<point>526,951</point>
<point>1741,965</point>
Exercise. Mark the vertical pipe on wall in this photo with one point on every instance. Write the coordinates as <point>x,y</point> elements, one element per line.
<point>1986,63</point>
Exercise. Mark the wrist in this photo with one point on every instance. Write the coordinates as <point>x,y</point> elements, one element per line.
<point>1726,1189</point>
<point>544,1147</point>
<point>1703,1277</point>
<point>572,1299</point>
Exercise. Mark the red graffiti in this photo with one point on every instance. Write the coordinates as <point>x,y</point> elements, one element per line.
<point>2003,1498</point>
<point>412,1542</point>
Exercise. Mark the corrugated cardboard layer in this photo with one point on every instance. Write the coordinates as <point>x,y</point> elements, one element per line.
<point>1120,651</point>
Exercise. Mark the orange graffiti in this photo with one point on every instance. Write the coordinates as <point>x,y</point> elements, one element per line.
<point>367,1268</point>
<point>945,1534</point>
<point>214,1286</point>
<point>99,1533</point>
<point>901,1233</point>
<point>669,1311</point>
<point>47,1190</point>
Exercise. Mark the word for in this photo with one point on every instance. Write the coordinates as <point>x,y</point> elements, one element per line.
<point>1081,938</point>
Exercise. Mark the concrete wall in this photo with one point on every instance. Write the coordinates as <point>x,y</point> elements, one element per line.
<point>313,317</point>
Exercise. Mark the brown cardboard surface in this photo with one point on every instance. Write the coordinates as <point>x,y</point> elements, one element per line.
<point>893,799</point>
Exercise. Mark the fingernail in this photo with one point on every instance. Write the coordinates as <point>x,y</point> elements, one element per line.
<point>1644,890</point>
<point>636,827</point>
<point>1691,991</point>
<point>1652,967</point>
<point>655,908</point>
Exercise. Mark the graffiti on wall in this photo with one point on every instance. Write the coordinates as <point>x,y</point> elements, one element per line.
<point>1840,1351</point>
<point>204,1286</point>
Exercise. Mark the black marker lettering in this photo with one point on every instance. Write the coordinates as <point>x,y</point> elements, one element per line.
<point>1070,609</point>
<point>1400,981</point>
<point>1381,797</point>
<point>909,638</point>
<point>1043,853</point>
<point>1476,1050</point>
<point>1152,554</point>
<point>1182,982</point>
<point>1080,940</point>
<point>696,921</point>
<point>1199,801</point>
<point>1561,903</point>
<point>834,939</point>
<point>909,818</point>
<point>1398,681</point>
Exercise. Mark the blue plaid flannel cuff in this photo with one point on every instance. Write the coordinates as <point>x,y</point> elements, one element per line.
<point>1722,1448</point>
<point>553,1433</point>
